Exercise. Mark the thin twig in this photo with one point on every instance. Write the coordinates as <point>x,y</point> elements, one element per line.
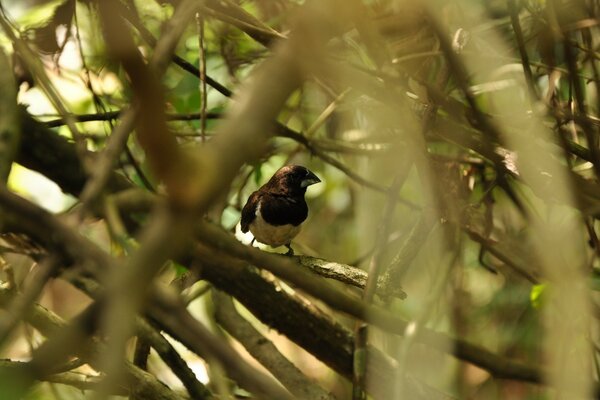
<point>180,62</point>
<point>514,18</point>
<point>202,88</point>
<point>375,269</point>
<point>173,318</point>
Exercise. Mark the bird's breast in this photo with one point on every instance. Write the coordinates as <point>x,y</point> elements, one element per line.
<point>273,235</point>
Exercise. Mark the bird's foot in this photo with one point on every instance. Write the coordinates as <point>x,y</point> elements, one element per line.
<point>290,251</point>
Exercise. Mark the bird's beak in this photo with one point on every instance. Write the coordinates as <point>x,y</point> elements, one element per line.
<point>310,179</point>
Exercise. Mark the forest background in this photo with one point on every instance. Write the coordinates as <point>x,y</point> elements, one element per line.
<point>451,250</point>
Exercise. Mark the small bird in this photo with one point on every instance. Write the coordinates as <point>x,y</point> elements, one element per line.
<point>275,211</point>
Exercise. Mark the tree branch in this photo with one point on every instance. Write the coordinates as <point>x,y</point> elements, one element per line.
<point>264,351</point>
<point>344,273</point>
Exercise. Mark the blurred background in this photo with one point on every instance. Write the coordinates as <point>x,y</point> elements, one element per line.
<point>457,144</point>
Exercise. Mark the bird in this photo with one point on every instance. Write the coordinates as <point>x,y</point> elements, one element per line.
<point>276,210</point>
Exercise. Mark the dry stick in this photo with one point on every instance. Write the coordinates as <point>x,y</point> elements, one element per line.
<point>514,18</point>
<point>264,351</point>
<point>202,76</point>
<point>318,143</point>
<point>286,268</point>
<point>112,115</point>
<point>325,114</point>
<point>407,253</point>
<point>171,357</point>
<point>327,339</point>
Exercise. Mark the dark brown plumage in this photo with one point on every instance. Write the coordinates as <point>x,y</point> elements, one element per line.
<point>275,211</point>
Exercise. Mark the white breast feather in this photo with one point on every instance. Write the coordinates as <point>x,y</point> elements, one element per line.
<point>270,234</point>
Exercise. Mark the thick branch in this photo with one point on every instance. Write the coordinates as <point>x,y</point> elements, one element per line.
<point>283,267</point>
<point>326,339</point>
<point>44,151</point>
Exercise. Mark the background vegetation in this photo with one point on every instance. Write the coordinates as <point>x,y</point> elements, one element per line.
<point>451,250</point>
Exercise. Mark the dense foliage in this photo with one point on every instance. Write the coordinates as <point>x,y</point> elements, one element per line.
<point>451,248</point>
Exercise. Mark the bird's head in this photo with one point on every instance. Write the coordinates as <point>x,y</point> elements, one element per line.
<point>293,179</point>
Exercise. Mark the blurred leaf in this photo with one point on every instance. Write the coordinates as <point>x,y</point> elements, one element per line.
<point>40,13</point>
<point>536,295</point>
<point>595,282</point>
<point>179,269</point>
<point>258,174</point>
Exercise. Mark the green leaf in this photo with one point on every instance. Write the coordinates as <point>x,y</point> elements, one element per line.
<point>536,296</point>
<point>258,174</point>
<point>595,282</point>
<point>179,269</point>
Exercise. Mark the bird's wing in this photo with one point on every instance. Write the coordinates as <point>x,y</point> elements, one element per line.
<point>249,211</point>
<point>279,209</point>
